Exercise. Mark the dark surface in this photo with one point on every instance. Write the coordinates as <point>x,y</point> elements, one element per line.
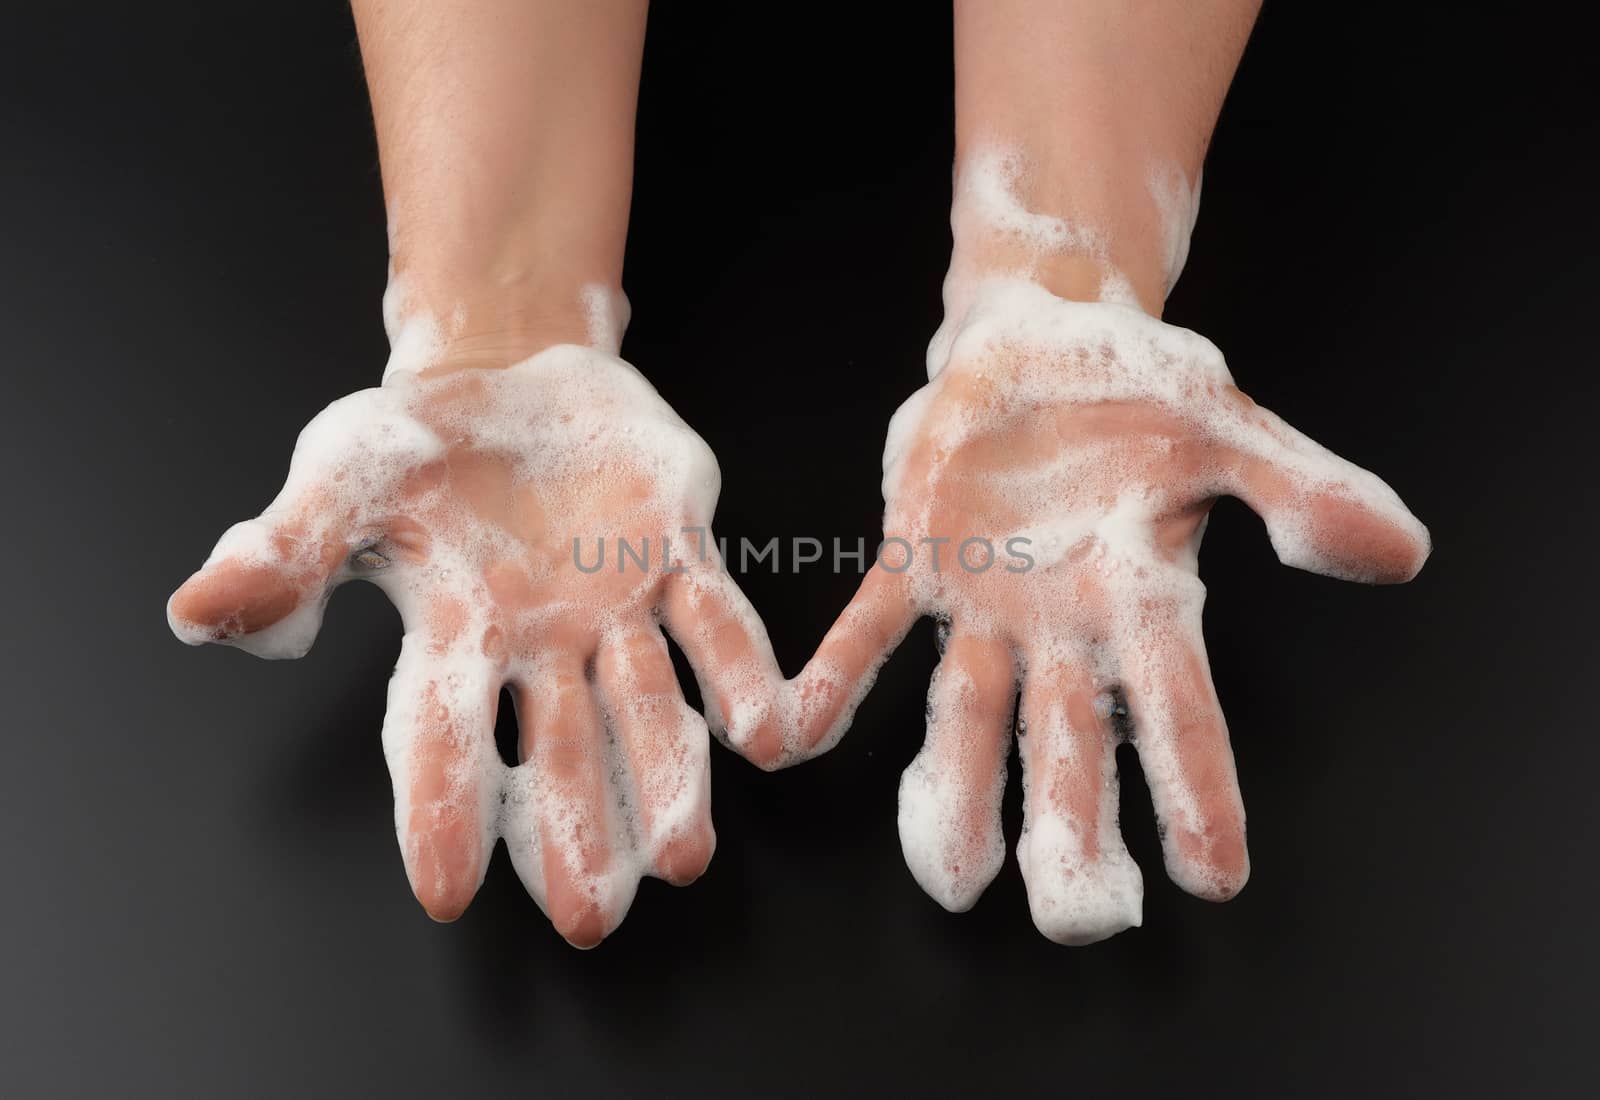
<point>202,891</point>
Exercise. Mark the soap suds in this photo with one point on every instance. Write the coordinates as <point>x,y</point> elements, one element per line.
<point>607,312</point>
<point>416,340</point>
<point>1179,208</point>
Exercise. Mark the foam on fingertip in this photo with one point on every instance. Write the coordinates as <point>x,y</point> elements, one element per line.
<point>1077,900</point>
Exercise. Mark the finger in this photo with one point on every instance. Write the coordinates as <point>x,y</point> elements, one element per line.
<point>1323,514</point>
<point>950,796</point>
<point>564,851</point>
<point>665,744</point>
<point>438,737</point>
<point>768,719</point>
<point>1083,886</point>
<point>1183,747</point>
<point>266,583</point>
<point>741,685</point>
<point>842,671</point>
<point>263,589</point>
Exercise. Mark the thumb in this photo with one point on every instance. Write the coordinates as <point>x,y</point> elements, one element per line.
<point>265,585</point>
<point>263,588</point>
<point>1323,513</point>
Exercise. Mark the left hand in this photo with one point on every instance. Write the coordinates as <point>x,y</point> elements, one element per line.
<point>1081,446</point>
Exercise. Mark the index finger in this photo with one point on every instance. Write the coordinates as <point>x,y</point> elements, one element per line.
<point>771,720</point>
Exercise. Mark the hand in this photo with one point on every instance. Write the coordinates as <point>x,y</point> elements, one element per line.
<point>1080,447</point>
<point>480,501</point>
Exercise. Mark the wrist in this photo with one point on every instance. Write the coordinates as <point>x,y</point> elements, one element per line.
<point>1082,233</point>
<point>438,326</point>
<point>1081,277</point>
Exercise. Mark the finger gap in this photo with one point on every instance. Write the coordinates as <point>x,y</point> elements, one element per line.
<point>1009,881</point>
<point>1111,706</point>
<point>1141,831</point>
<point>506,738</point>
<point>687,681</point>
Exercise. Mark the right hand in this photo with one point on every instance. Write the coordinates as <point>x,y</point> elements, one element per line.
<point>460,493</point>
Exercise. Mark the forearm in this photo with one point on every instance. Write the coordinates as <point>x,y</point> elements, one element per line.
<point>505,132</point>
<point>1108,107</point>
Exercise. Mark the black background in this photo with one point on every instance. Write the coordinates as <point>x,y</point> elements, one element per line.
<point>201,892</point>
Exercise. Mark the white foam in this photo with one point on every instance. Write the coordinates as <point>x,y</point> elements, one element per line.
<point>416,339</point>
<point>606,311</point>
<point>988,195</point>
<point>952,857</point>
<point>1178,205</point>
<point>989,215</point>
